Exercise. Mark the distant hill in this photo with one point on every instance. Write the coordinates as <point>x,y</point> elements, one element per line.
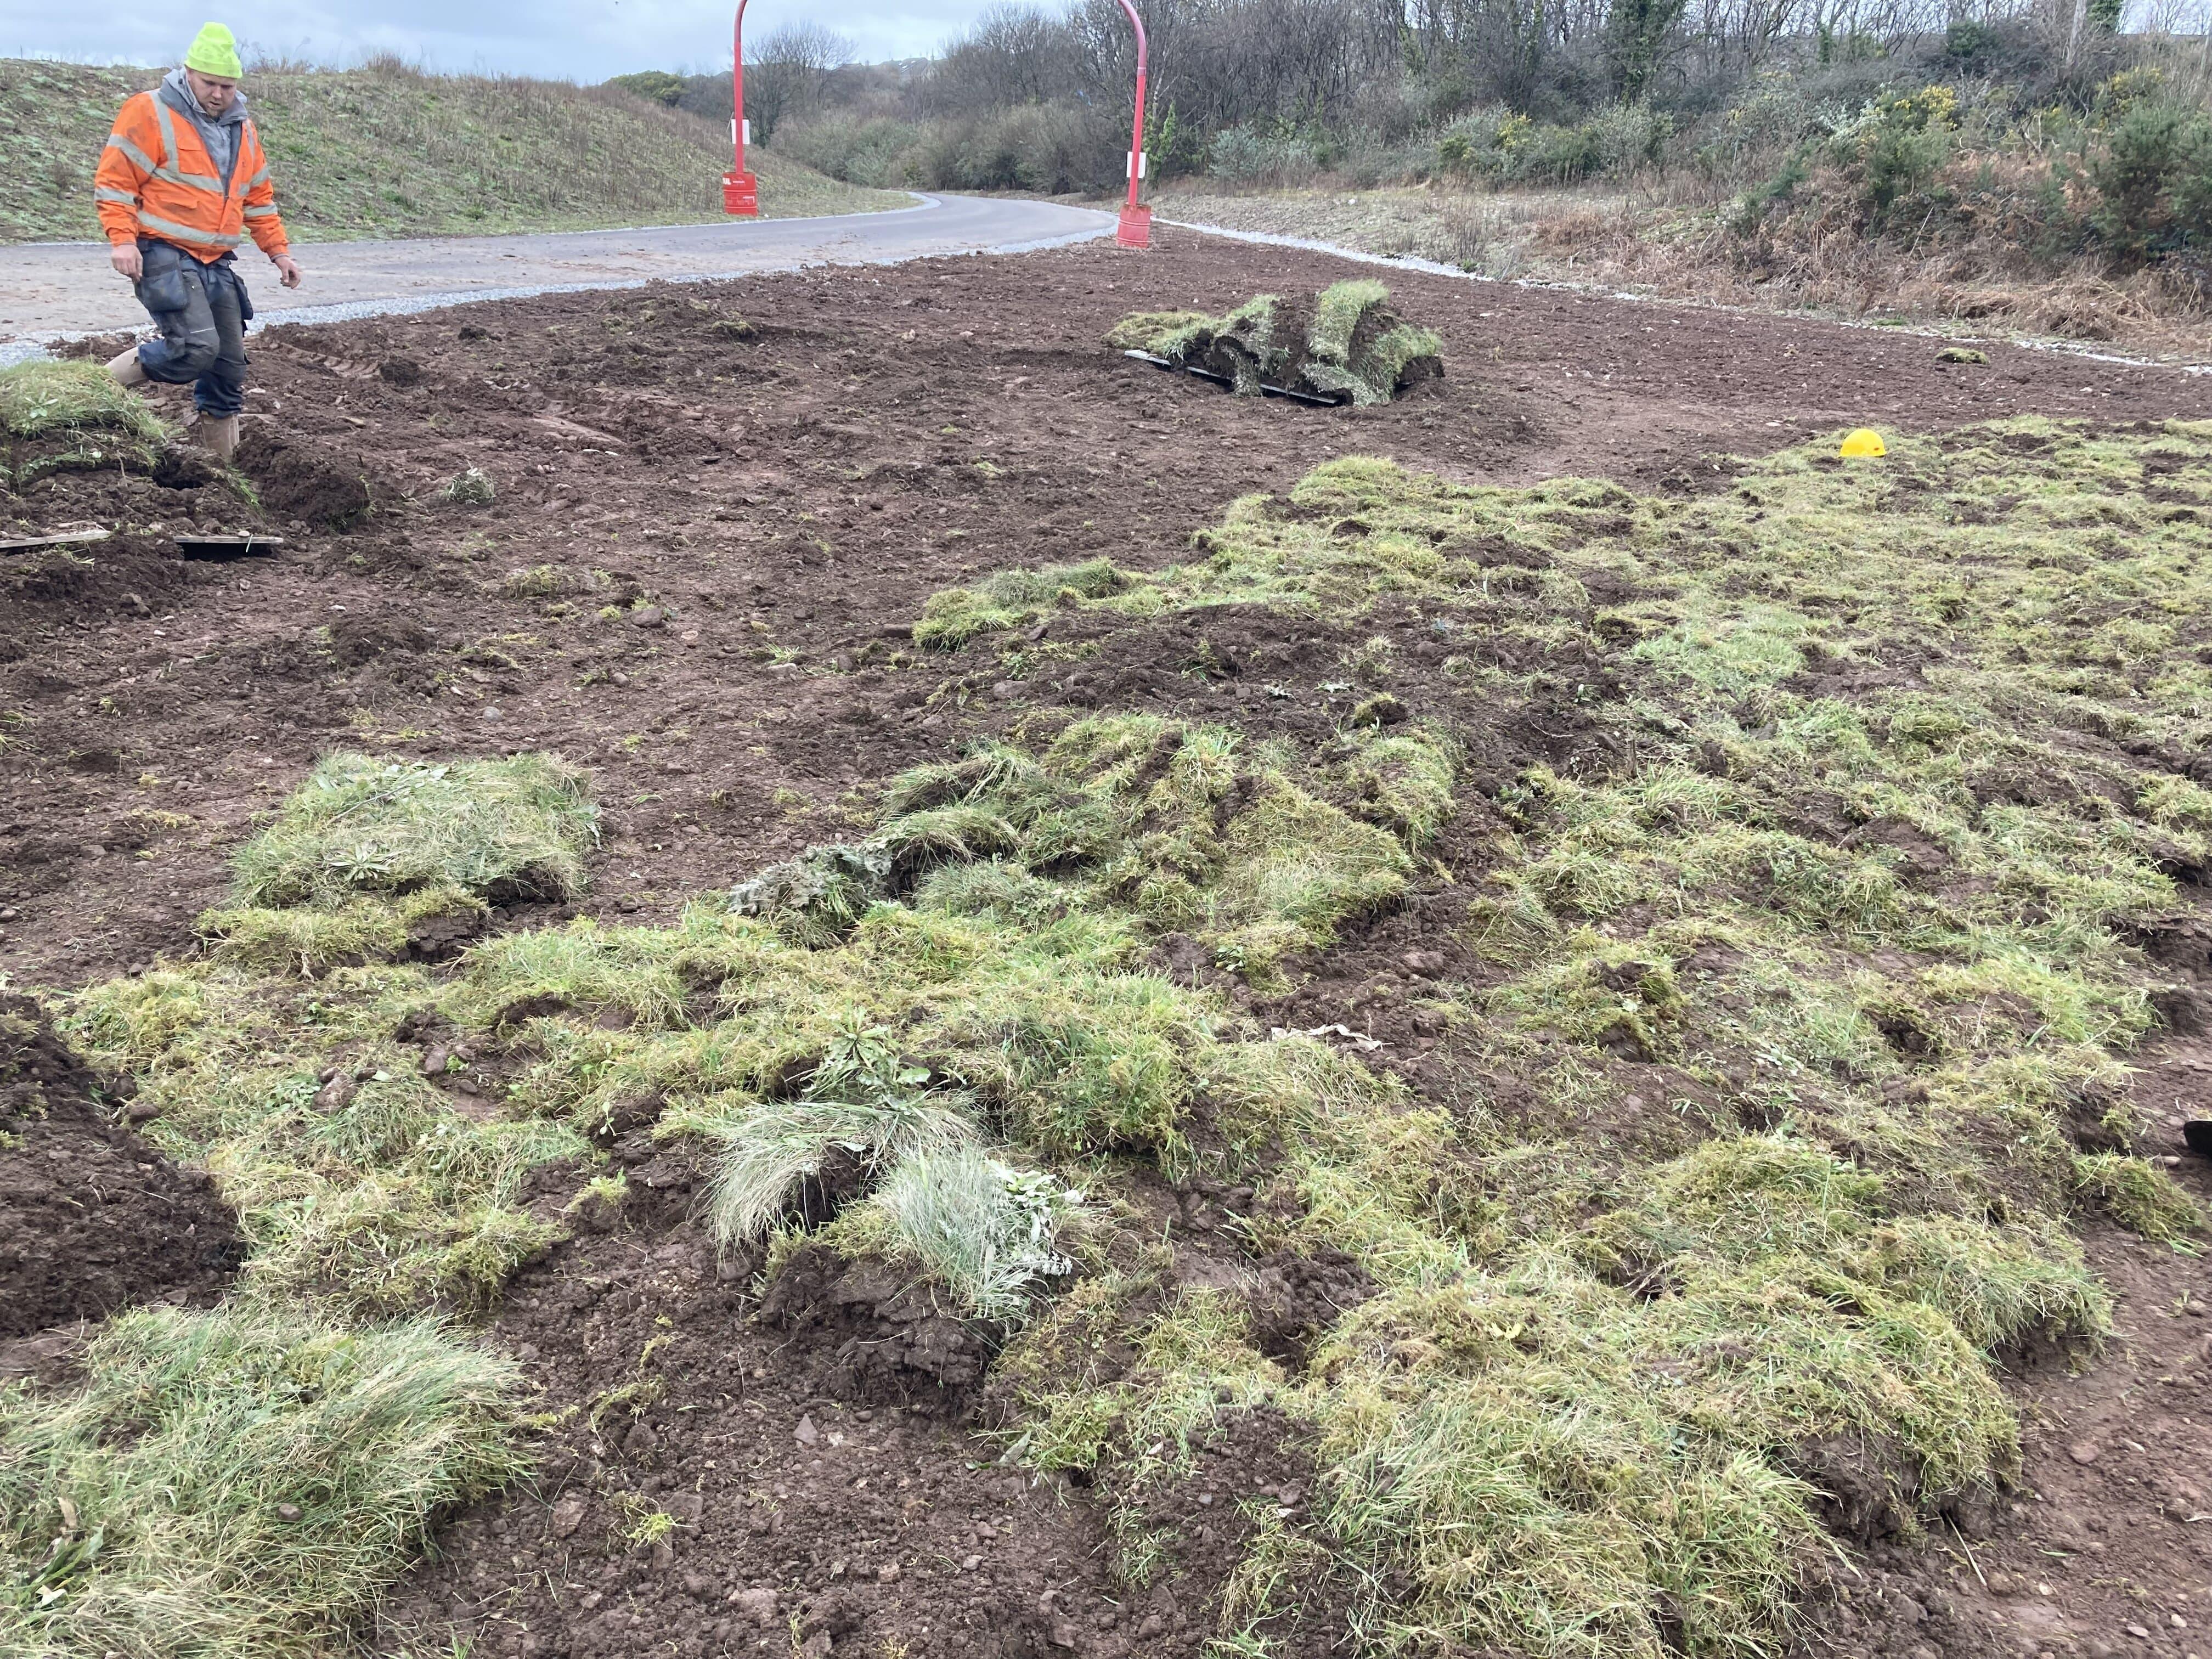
<point>387,151</point>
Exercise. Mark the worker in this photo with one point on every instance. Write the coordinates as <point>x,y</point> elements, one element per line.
<point>181,183</point>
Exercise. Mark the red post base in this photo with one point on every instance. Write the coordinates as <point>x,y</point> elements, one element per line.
<point>1135,229</point>
<point>741,195</point>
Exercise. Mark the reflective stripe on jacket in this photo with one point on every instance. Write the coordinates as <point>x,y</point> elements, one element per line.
<point>157,179</point>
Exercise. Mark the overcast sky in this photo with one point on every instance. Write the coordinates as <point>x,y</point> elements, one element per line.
<point>579,39</point>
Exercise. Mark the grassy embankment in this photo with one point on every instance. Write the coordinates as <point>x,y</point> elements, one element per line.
<point>1854,919</point>
<point>388,151</point>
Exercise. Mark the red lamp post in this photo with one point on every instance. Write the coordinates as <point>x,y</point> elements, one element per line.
<point>740,190</point>
<point>1135,227</point>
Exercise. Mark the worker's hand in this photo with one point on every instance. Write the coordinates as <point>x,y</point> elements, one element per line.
<point>126,259</point>
<point>287,269</point>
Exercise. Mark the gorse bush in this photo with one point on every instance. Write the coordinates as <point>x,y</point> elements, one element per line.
<point>2154,181</point>
<point>1901,142</point>
<point>2129,180</point>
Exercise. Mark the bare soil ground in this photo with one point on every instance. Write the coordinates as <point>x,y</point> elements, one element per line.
<point>94,1220</point>
<point>717,511</point>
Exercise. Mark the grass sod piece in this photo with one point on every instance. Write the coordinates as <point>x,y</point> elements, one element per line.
<point>1012,598</point>
<point>1888,914</point>
<point>1561,1467</point>
<point>374,1195</point>
<point>1159,332</point>
<point>238,1483</point>
<point>515,827</point>
<point>310,940</point>
<point>56,416</point>
<point>1356,346</point>
<point>1398,357</point>
<point>1951,1073</point>
<point>1240,343</point>
<point>1353,344</point>
<point>1337,315</point>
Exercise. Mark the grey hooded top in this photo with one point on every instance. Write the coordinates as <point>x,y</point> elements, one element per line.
<point>218,132</point>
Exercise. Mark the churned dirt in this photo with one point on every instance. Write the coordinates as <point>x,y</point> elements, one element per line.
<point>92,1220</point>
<point>717,509</point>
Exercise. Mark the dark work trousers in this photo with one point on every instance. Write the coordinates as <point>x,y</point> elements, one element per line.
<point>202,309</point>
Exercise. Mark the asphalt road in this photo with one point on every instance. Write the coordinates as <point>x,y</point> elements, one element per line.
<point>50,290</point>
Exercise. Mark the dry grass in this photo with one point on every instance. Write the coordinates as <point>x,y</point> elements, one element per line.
<point>1675,245</point>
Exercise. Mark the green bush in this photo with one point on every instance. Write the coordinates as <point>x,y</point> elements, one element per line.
<point>1254,156</point>
<point>880,153</point>
<point>1513,149</point>
<point>655,86</point>
<point>2153,179</point>
<point>1900,143</point>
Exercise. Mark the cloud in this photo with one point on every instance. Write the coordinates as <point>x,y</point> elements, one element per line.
<point>583,40</point>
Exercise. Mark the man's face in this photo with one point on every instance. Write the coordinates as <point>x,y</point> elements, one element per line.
<point>213,92</point>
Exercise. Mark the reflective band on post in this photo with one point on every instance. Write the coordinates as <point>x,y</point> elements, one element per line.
<point>1136,165</point>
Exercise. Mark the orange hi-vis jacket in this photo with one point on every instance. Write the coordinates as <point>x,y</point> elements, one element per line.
<point>157,179</point>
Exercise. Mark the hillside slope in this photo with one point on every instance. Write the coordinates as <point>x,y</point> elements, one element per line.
<point>388,151</point>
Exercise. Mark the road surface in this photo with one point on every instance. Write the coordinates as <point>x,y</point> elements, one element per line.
<point>54,289</point>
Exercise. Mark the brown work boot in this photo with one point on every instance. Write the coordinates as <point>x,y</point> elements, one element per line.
<point>128,369</point>
<point>217,435</point>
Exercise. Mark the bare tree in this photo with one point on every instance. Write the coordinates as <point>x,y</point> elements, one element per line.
<point>1014,55</point>
<point>785,74</point>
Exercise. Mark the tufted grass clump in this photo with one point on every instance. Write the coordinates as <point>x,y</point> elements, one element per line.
<point>238,1483</point>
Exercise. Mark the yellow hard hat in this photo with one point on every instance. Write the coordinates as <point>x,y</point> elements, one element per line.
<point>1864,441</point>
